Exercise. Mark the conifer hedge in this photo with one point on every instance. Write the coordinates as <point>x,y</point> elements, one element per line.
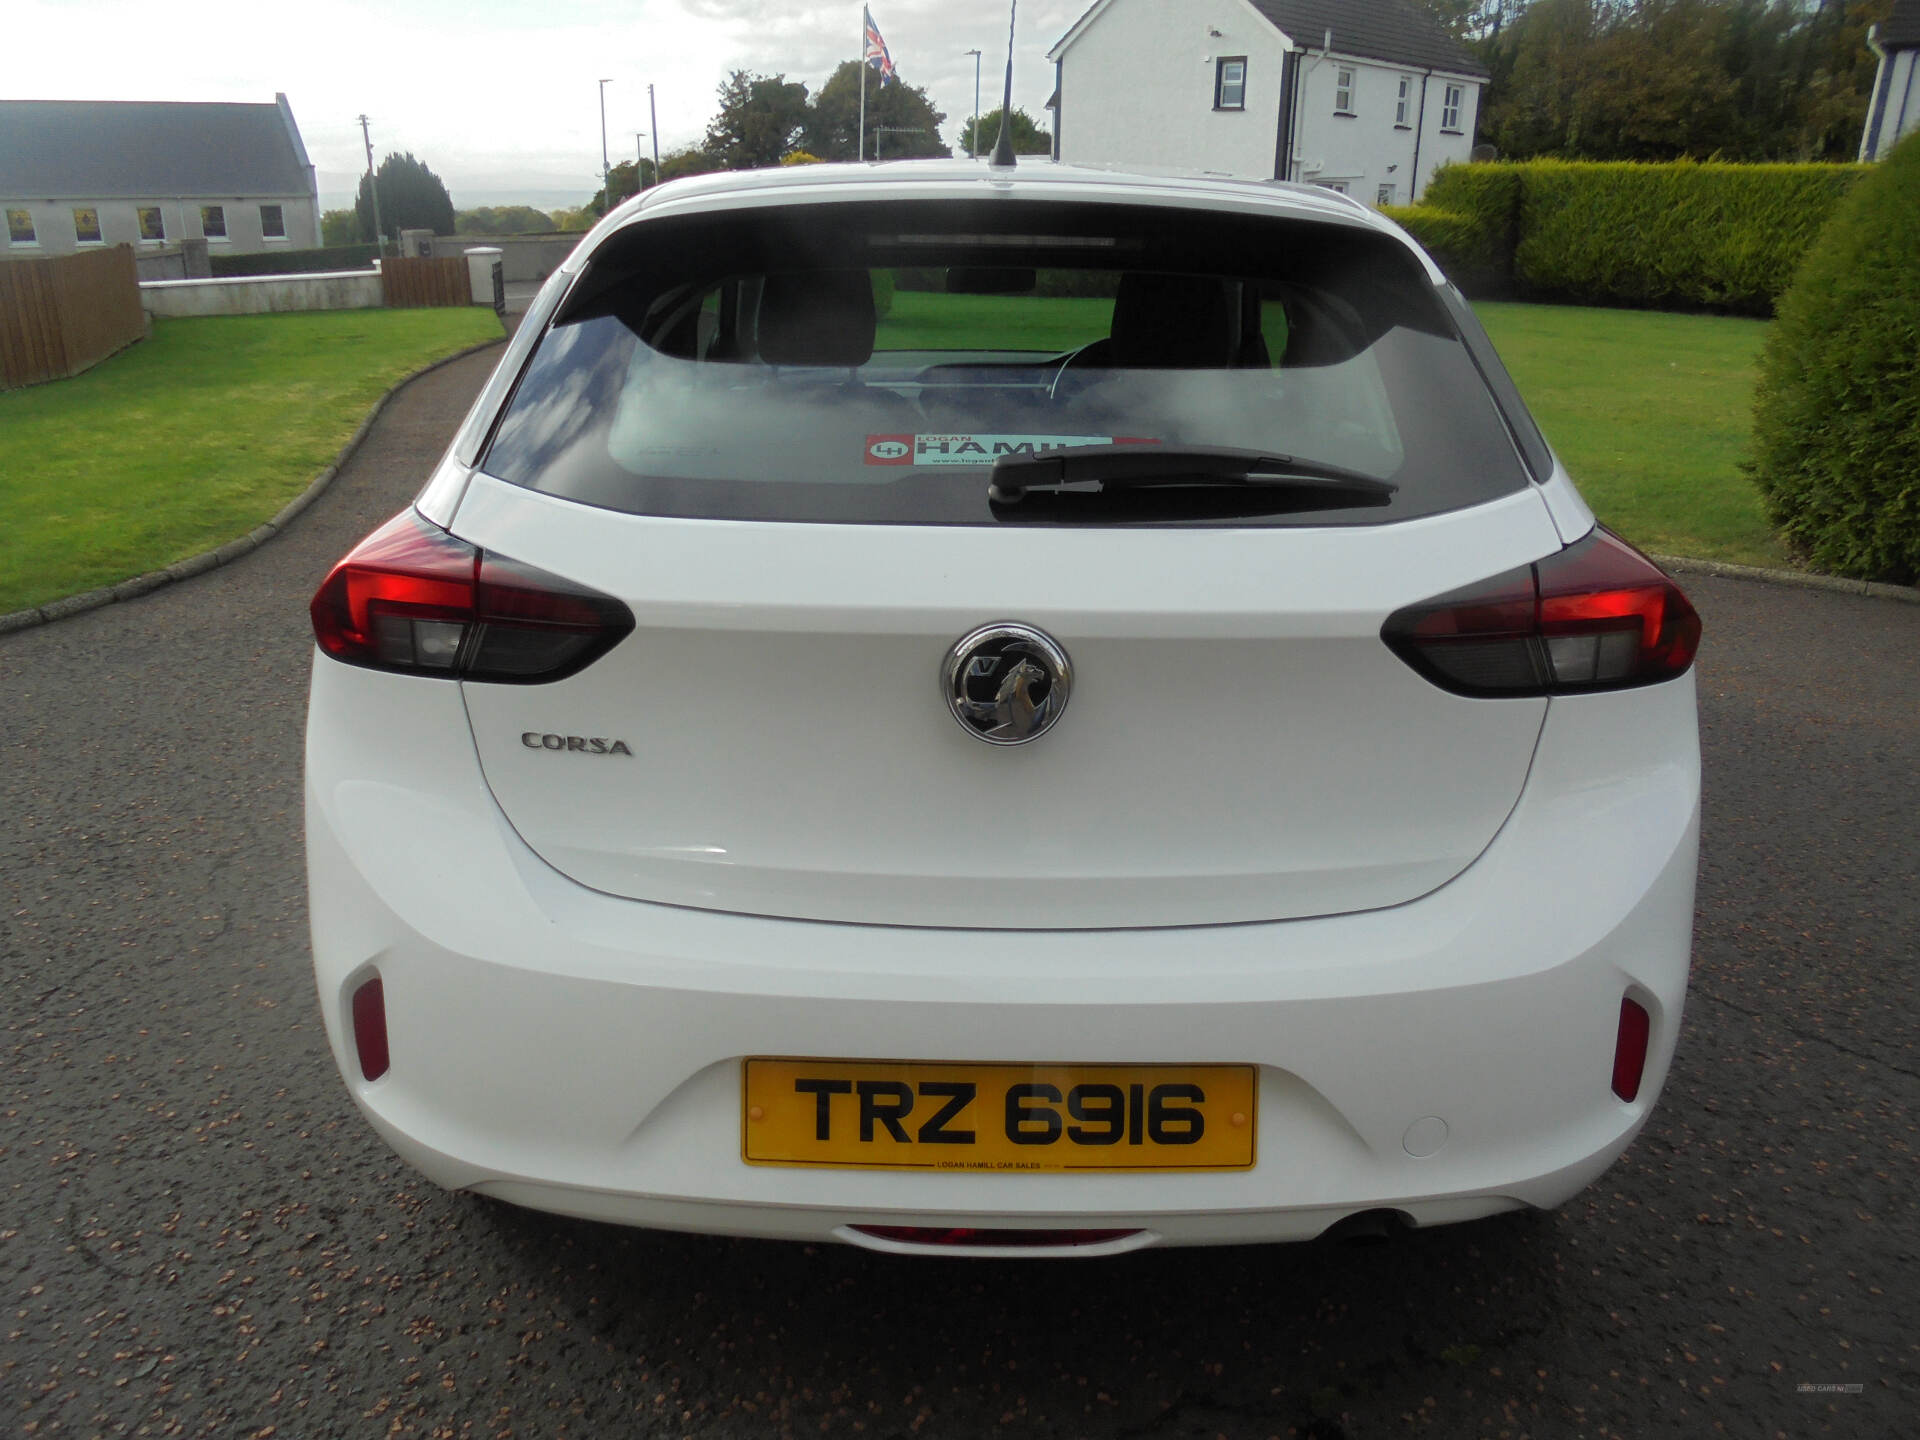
<point>1682,235</point>
<point>1837,411</point>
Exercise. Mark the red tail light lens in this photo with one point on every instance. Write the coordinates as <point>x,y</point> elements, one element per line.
<point>1630,1049</point>
<point>1598,615</point>
<point>412,598</point>
<point>370,1028</point>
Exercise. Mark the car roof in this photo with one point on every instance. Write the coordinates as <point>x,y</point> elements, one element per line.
<point>1039,179</point>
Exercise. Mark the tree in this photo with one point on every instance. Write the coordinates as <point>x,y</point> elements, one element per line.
<point>506,220</point>
<point>624,181</point>
<point>900,108</point>
<point>690,161</point>
<point>412,197</point>
<point>1028,137</point>
<point>1659,79</point>
<point>760,120</point>
<point>339,227</point>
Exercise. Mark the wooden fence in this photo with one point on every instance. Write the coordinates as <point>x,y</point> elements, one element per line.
<point>60,315</point>
<point>408,282</point>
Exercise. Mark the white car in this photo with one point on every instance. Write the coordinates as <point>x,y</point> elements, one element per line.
<point>965,709</point>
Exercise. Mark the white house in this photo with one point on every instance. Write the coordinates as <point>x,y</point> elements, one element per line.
<point>75,174</point>
<point>1367,97</point>
<point>1894,111</point>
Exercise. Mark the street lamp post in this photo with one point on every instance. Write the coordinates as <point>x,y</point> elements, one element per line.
<point>606,165</point>
<point>653,119</point>
<point>973,140</point>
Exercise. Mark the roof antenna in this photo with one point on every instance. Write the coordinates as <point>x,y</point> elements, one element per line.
<point>1003,147</point>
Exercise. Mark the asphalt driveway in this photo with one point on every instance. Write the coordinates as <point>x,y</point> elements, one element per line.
<point>200,1237</point>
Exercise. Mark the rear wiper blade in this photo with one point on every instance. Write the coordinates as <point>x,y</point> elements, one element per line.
<point>1139,467</point>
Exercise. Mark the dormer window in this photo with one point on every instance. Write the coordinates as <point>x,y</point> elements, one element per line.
<point>1230,83</point>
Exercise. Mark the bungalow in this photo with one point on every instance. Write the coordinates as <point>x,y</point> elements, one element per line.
<point>1367,97</point>
<point>75,174</point>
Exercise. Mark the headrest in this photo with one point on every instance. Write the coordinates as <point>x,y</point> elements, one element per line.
<point>1173,322</point>
<point>817,317</point>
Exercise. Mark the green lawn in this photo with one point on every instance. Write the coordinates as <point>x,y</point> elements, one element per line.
<point>1651,414</point>
<point>192,437</point>
<point>923,320</point>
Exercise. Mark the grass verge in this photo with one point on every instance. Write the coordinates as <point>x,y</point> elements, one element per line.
<point>1651,413</point>
<point>196,435</point>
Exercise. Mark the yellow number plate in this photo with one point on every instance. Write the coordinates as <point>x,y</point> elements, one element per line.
<point>903,1115</point>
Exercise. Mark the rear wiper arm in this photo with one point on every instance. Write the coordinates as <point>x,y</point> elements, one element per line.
<point>1139,467</point>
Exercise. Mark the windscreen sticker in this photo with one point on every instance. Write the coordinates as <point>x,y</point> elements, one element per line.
<point>979,449</point>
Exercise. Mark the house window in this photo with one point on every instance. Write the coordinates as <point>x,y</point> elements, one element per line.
<point>273,222</point>
<point>1384,196</point>
<point>1230,83</point>
<point>213,221</point>
<point>20,227</point>
<point>1450,109</point>
<point>86,225</point>
<point>1343,91</point>
<point>1405,99</point>
<point>152,226</point>
<point>1338,187</point>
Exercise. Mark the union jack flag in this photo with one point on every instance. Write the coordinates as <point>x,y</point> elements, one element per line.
<point>877,55</point>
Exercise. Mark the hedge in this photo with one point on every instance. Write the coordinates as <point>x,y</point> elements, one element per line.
<point>1682,235</point>
<point>295,262</point>
<point>1836,432</point>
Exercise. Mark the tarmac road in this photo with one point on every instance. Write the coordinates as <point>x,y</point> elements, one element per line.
<point>200,1236</point>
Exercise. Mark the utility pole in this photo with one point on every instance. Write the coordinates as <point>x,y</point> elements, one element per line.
<point>373,187</point>
<point>606,166</point>
<point>653,118</point>
<point>973,139</point>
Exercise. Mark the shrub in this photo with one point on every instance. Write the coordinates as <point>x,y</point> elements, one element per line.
<point>294,262</point>
<point>1679,235</point>
<point>1459,243</point>
<point>1837,410</point>
<point>1488,198</point>
<point>1673,236</point>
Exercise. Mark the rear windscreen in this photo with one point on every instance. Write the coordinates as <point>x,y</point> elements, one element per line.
<point>853,363</point>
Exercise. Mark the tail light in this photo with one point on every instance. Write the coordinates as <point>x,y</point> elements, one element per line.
<point>1598,615</point>
<point>412,598</point>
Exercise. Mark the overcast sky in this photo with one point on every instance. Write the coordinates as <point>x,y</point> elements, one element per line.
<point>501,95</point>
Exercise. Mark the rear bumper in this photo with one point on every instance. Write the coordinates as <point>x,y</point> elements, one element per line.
<point>562,1048</point>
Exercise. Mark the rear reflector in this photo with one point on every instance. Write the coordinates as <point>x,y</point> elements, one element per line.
<point>414,599</point>
<point>370,1028</point>
<point>1630,1050</point>
<point>1597,615</point>
<point>965,1239</point>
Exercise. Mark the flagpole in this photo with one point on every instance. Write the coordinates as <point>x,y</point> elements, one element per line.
<point>861,149</point>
